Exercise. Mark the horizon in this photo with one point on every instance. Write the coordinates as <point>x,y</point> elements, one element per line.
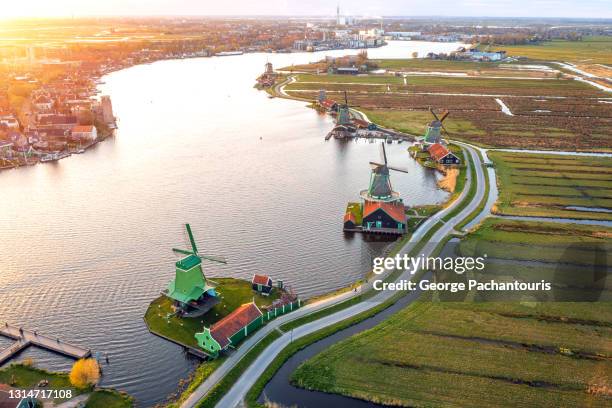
<point>546,9</point>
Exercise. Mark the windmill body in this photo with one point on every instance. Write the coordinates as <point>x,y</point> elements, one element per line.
<point>344,124</point>
<point>189,289</point>
<point>433,132</point>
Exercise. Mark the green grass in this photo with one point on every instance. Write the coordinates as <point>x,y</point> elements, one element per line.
<point>356,210</point>
<point>482,353</point>
<point>597,49</point>
<point>415,122</point>
<point>543,185</point>
<point>233,293</point>
<point>414,359</point>
<point>223,386</point>
<point>23,376</point>
<point>425,64</point>
<point>109,399</point>
<point>539,241</point>
<point>442,83</point>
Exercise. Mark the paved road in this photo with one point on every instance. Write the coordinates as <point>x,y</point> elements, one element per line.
<point>237,393</point>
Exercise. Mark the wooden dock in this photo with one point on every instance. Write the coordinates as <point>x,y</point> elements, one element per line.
<point>25,338</point>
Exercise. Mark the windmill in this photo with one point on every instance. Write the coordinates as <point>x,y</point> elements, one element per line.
<point>432,133</point>
<point>194,249</point>
<point>189,288</point>
<point>344,113</point>
<point>380,188</point>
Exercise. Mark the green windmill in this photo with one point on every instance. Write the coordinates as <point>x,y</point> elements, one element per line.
<point>380,182</point>
<point>432,133</point>
<point>189,284</point>
<point>344,113</point>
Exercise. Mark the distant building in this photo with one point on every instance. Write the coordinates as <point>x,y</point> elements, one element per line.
<point>107,111</point>
<point>475,55</point>
<point>85,132</point>
<point>403,35</point>
<point>43,103</point>
<point>9,121</point>
<point>230,330</point>
<point>347,70</point>
<point>262,284</point>
<point>57,121</point>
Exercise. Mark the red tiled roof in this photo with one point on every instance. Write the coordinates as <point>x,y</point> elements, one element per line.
<point>83,129</point>
<point>328,103</point>
<point>395,209</point>
<point>261,280</point>
<point>349,216</point>
<point>437,151</point>
<point>233,322</point>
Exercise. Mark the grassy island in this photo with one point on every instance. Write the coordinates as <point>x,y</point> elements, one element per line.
<point>233,293</point>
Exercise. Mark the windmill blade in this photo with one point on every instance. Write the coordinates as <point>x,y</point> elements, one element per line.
<point>214,258</point>
<point>383,153</point>
<point>193,244</point>
<point>434,113</point>
<point>445,131</point>
<point>376,165</point>
<point>400,169</point>
<point>444,115</point>
<point>182,251</point>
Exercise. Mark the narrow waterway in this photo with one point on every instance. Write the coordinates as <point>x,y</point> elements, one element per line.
<point>86,241</point>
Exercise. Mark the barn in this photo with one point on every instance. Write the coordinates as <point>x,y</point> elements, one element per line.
<point>262,284</point>
<point>442,155</point>
<point>230,330</point>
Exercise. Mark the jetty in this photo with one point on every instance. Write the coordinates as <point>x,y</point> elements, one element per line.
<point>25,338</point>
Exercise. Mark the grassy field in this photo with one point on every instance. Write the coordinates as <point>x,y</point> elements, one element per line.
<point>233,293</point>
<point>569,255</point>
<point>545,354</point>
<point>21,376</point>
<point>418,83</point>
<point>416,359</point>
<point>547,113</point>
<point>592,49</point>
<point>544,185</point>
<point>108,399</point>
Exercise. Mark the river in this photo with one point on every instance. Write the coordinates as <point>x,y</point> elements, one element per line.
<point>86,242</point>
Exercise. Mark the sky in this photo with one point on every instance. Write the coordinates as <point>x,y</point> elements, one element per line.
<point>491,8</point>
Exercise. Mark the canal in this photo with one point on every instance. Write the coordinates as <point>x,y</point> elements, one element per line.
<point>86,242</point>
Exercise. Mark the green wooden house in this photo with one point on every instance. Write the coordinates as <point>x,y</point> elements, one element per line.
<point>230,330</point>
